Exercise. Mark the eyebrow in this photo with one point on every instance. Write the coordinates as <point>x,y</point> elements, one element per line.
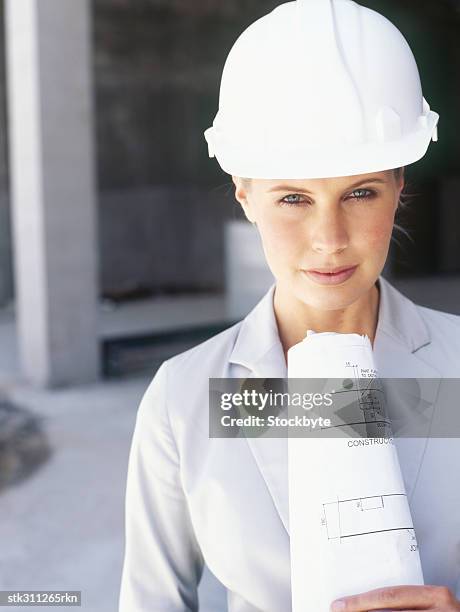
<point>301,190</point>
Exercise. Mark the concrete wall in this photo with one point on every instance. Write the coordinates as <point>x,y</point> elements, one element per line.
<point>163,202</point>
<point>163,239</point>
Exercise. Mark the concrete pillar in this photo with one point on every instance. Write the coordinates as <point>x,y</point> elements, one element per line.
<point>53,189</point>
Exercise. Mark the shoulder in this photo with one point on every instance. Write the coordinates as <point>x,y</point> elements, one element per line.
<point>208,357</point>
<point>179,390</point>
<point>193,367</point>
<point>441,325</point>
<point>443,350</point>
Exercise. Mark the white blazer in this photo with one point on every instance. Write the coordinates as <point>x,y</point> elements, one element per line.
<point>192,500</point>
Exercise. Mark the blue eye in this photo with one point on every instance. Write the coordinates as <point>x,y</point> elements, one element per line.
<point>363,194</point>
<point>284,202</point>
<point>357,194</point>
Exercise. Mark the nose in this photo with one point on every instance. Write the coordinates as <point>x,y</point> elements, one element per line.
<point>328,232</point>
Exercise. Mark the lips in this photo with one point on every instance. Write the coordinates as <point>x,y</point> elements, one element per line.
<point>331,270</point>
<point>337,277</point>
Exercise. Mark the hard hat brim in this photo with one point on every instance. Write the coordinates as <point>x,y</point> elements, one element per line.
<point>302,162</point>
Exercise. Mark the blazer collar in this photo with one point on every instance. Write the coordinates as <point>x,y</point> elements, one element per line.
<point>258,347</point>
<point>400,332</point>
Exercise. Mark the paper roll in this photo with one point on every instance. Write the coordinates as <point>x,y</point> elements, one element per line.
<point>350,524</point>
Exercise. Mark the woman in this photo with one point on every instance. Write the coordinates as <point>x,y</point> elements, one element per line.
<point>340,142</point>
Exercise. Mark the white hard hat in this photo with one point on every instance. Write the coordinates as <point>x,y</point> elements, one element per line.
<point>320,88</point>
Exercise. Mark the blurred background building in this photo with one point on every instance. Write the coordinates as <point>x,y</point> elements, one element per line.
<point>121,244</point>
<point>128,188</point>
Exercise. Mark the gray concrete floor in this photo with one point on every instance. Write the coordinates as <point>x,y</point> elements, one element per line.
<point>62,528</point>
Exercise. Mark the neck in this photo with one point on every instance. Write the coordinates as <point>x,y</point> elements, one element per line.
<point>294,317</point>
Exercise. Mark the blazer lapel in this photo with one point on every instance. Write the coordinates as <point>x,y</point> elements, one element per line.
<point>400,333</point>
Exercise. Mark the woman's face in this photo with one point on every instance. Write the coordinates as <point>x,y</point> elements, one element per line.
<point>324,223</point>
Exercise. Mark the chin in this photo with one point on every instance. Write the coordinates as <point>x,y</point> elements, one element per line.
<point>328,297</point>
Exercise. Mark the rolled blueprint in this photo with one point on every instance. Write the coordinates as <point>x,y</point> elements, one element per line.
<point>350,524</point>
